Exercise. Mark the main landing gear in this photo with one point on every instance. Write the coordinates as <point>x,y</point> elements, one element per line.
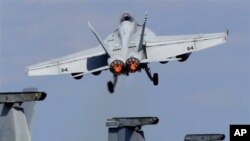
<point>154,78</point>
<point>111,85</point>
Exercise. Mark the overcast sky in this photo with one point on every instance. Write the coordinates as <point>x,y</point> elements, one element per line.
<point>205,94</point>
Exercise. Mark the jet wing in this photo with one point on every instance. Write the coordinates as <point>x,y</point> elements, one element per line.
<point>164,48</point>
<point>87,61</point>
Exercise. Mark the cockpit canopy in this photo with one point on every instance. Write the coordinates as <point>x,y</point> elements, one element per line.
<point>126,17</point>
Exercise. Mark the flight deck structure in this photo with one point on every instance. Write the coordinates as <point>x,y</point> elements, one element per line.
<point>128,129</point>
<point>16,114</point>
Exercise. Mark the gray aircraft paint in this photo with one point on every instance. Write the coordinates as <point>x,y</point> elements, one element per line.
<point>129,49</point>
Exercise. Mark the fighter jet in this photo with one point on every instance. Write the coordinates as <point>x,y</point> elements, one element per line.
<point>129,49</point>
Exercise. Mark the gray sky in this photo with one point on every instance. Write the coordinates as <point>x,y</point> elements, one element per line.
<point>205,94</point>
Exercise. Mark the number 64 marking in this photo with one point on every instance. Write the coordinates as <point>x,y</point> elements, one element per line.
<point>64,69</point>
<point>190,48</point>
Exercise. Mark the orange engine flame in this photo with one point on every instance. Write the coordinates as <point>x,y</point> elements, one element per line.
<point>117,66</point>
<point>133,65</point>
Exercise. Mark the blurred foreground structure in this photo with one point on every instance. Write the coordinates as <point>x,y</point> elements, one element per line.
<point>129,129</point>
<point>17,110</point>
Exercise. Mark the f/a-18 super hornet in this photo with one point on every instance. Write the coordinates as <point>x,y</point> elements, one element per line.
<point>129,49</point>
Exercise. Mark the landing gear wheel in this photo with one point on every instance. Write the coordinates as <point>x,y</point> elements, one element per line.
<point>110,87</point>
<point>155,79</point>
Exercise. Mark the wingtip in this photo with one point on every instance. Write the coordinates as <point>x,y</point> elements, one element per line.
<point>146,16</point>
<point>227,32</point>
<point>27,69</point>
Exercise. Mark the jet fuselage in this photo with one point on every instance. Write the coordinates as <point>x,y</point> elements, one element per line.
<point>127,57</point>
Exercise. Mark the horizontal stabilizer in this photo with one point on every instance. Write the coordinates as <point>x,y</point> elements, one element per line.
<point>17,97</point>
<point>162,47</point>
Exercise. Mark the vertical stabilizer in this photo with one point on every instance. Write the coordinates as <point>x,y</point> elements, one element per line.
<point>141,44</point>
<point>103,44</point>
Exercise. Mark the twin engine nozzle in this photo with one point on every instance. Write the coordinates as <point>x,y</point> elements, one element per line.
<point>118,67</point>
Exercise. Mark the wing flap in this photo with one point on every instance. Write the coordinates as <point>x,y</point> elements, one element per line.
<point>164,47</point>
<point>204,43</point>
<point>49,70</point>
<point>87,61</point>
<point>168,50</point>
